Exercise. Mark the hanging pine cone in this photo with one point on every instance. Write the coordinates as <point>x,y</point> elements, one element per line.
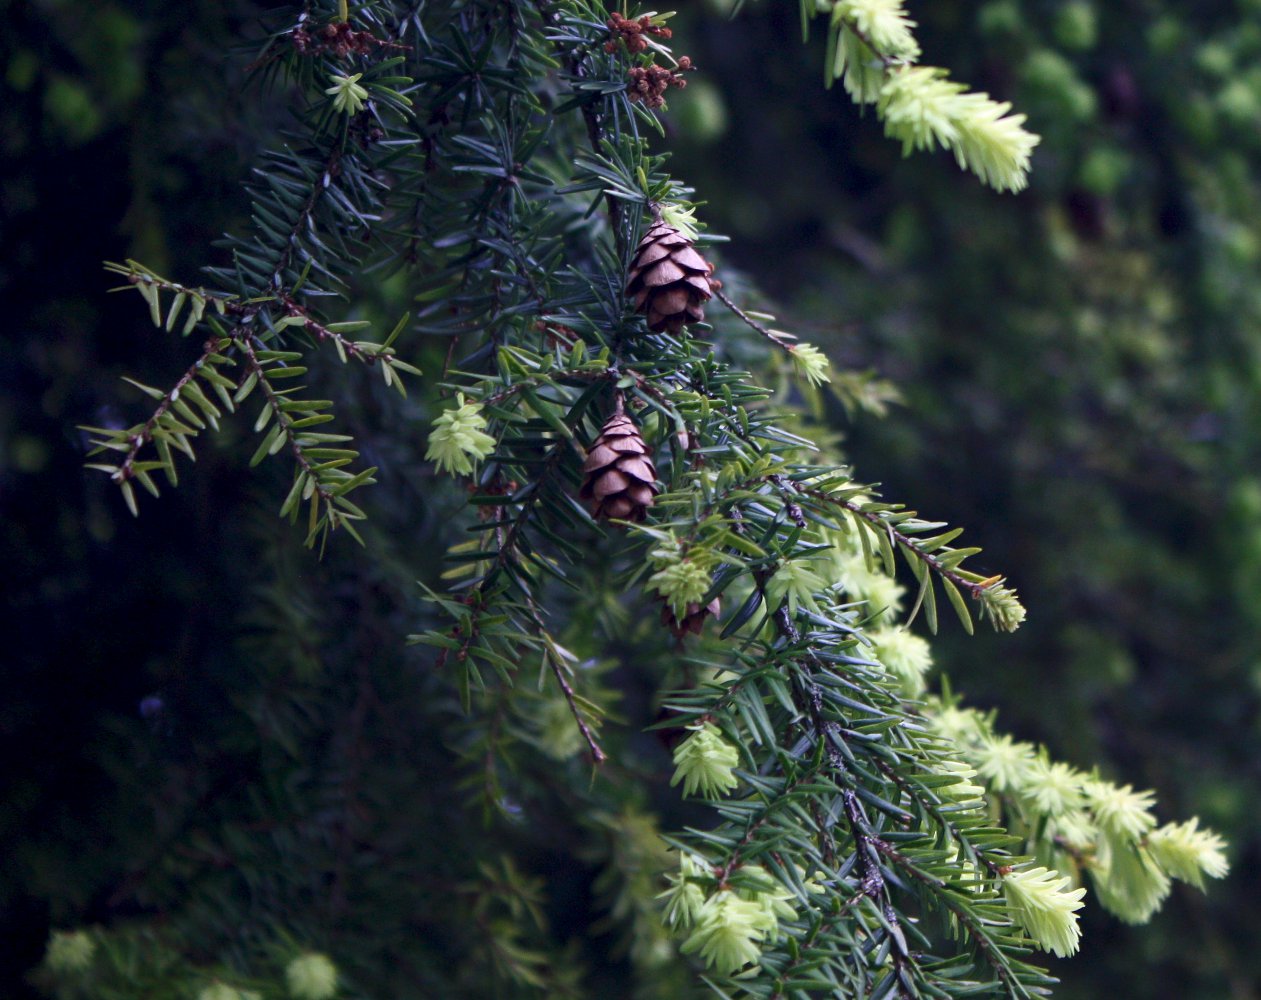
<point>619,473</point>
<point>669,279</point>
<point>693,620</point>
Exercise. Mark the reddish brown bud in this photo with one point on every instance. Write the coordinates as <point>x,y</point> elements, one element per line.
<point>693,619</point>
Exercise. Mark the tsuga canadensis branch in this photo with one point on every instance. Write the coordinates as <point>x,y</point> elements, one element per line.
<point>949,901</point>
<point>619,453</point>
<point>980,588</point>
<point>556,661</point>
<point>872,49</point>
<point>274,401</point>
<point>778,338</point>
<point>172,434</point>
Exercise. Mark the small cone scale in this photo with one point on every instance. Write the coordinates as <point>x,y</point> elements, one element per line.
<point>669,280</point>
<point>618,473</point>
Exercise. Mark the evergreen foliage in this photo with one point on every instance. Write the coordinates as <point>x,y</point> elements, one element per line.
<point>863,838</point>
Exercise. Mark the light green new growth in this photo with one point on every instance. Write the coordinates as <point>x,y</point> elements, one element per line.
<point>811,363</point>
<point>311,976</point>
<point>1189,853</point>
<point>70,952</point>
<point>684,898</point>
<point>907,656</point>
<point>1003,763</point>
<point>682,218</point>
<point>796,583</point>
<point>882,23</point>
<point>923,109</point>
<point>729,932</point>
<point>680,582</point>
<point>730,926</point>
<point>1046,908</point>
<point>873,52</point>
<point>459,438</point>
<point>348,96</point>
<point>704,763</point>
<point>1081,824</point>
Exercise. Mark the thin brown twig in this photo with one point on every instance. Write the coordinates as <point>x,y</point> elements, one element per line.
<point>753,324</point>
<point>974,587</point>
<point>233,306</point>
<point>941,890</point>
<point>145,434</point>
<point>553,657</point>
<point>283,420</point>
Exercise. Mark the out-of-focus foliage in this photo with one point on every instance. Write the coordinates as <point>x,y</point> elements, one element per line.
<point>1080,370</point>
<point>1078,367</point>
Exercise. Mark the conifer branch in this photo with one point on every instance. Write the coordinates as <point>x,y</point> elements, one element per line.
<point>845,804</point>
<point>774,337</point>
<point>281,417</point>
<point>555,661</point>
<point>871,48</point>
<point>145,434</point>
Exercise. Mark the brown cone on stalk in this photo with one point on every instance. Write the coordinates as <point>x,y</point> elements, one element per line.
<point>669,280</point>
<point>693,619</point>
<point>618,473</point>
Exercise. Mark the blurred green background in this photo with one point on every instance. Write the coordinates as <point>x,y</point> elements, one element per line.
<point>1081,367</point>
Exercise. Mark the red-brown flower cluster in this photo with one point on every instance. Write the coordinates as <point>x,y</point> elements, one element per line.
<point>338,39</point>
<point>693,620</point>
<point>632,33</point>
<point>498,488</point>
<point>557,334</point>
<point>649,83</point>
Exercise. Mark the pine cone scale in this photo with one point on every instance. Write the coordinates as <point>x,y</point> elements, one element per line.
<point>638,468</point>
<point>623,508</point>
<point>611,481</point>
<point>665,273</point>
<point>599,457</point>
<point>651,254</point>
<point>687,258</point>
<point>672,300</point>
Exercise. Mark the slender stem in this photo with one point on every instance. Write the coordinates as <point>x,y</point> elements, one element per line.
<point>975,587</point>
<point>993,956</point>
<point>733,862</point>
<point>145,434</point>
<point>322,333</point>
<point>934,810</point>
<point>591,118</point>
<point>233,306</point>
<point>546,378</point>
<point>812,936</point>
<point>283,420</point>
<point>555,661</point>
<point>753,324</point>
<point>865,840</point>
<point>889,62</point>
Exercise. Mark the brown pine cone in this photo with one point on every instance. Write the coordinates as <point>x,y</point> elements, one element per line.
<point>669,279</point>
<point>693,620</point>
<point>619,473</point>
